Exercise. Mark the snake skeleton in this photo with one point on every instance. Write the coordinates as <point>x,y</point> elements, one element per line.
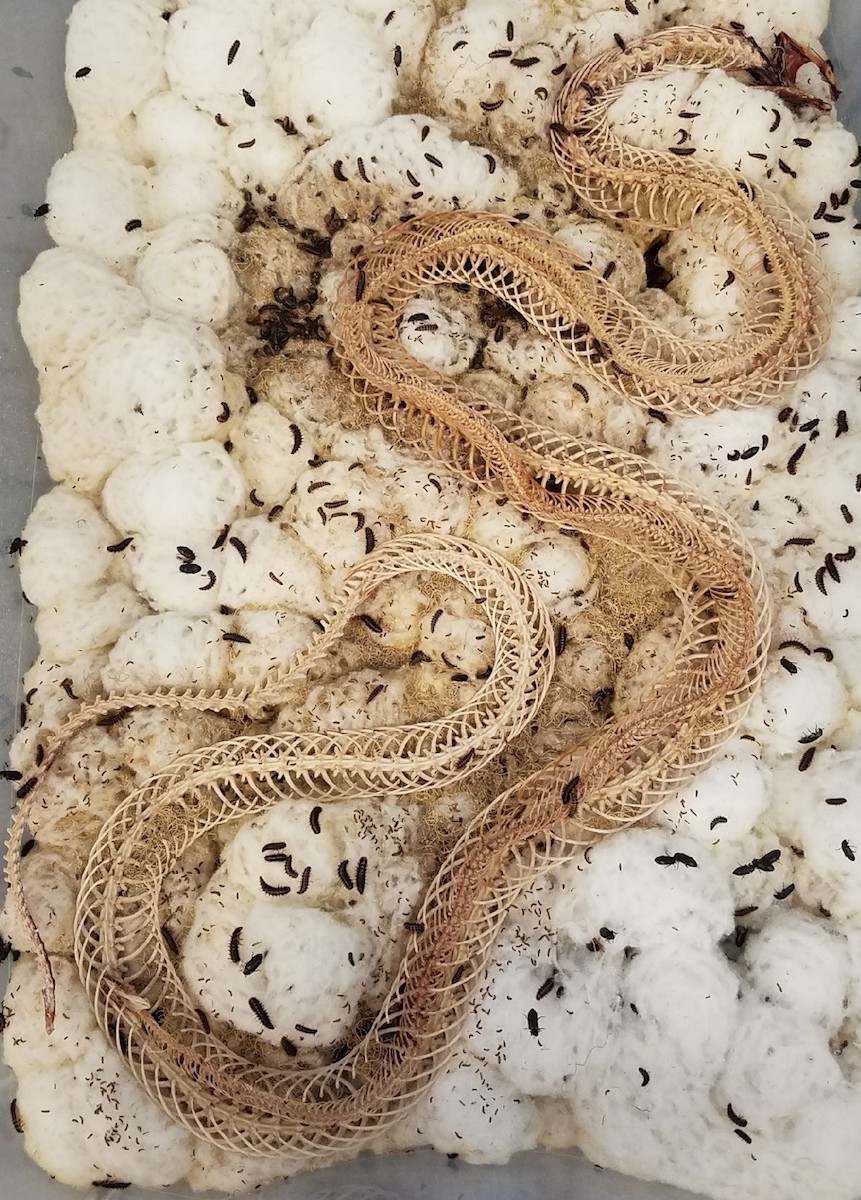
<point>613,778</point>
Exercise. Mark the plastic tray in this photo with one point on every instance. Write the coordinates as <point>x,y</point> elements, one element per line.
<point>35,129</point>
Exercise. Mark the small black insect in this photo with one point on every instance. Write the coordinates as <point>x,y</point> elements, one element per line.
<point>792,464</point>
<point>509,31</point>
<point>232,52</point>
<point>303,886</point>
<point>370,539</point>
<point>435,618</point>
<point>717,821</point>
<point>66,685</point>
<point>398,56</point>
<point>12,776</point>
<point>490,105</point>
<point>746,911</point>
<point>734,1117</point>
<point>344,875</point>
<point>361,281</point>
<point>532,1022</point>
<point>304,1029</point>
<point>525,62</point>
<point>26,788</point>
<point>458,973</point>
<point>83,72</point>
<point>204,1020</point>
<point>248,98</point>
<point>370,623</point>
<point>789,666</point>
<point>109,1183</point>
<point>315,818</point>
<point>569,791</point>
<point>240,548</point>
<point>169,940</point>
<point>288,1047</point>
<point>361,874</point>
<point>16,1117</point>
<point>813,736</point>
<point>561,639</point>
<point>545,989</point>
<point>252,964</point>
<point>236,637</point>
<point>234,944</point>
<point>847,850</point>
<point>260,1013</point>
<point>415,926</point>
<point>784,892</point>
<point>745,1137</point>
<point>644,1075</point>
<point>270,889</point>
<point>806,758</point>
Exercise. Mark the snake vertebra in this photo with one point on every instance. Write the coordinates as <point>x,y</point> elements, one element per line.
<point>617,775</point>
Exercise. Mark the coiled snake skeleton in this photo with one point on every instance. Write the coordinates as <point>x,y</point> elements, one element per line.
<point>619,773</point>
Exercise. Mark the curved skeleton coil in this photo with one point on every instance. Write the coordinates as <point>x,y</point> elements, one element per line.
<point>612,779</point>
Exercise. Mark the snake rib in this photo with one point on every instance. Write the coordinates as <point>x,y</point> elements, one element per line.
<point>612,779</point>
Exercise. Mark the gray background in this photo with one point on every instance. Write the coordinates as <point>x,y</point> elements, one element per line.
<point>35,129</point>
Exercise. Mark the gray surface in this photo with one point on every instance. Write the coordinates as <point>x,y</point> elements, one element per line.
<point>35,129</point>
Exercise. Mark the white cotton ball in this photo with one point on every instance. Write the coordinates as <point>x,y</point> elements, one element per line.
<point>215,58</point>
<point>84,1116</point>
<point>263,550</point>
<point>181,186</point>
<point>845,343</point>
<point>707,450</point>
<point>180,492</point>
<point>819,169</point>
<point>800,694</point>
<point>428,499</point>
<point>725,800</point>
<point>175,577</point>
<point>305,978</point>
<point>274,637</point>
<point>473,1112</point>
<point>332,77</point>
<point>528,357</point>
<point>69,301</point>
<point>560,570</point>
<point>462,71</point>
<point>272,451</point>
<point>687,904</point>
<point>825,824</point>
<point>114,57</point>
<point>156,384</point>
<point>498,525</point>
<point>599,245</point>
<point>87,621</point>
<point>66,552</point>
<point>260,152</point>
<point>778,1065</point>
<point>690,996</point>
<point>795,962</point>
<point>396,146</point>
<point>168,126</point>
<point>437,336</point>
<point>186,270</point>
<point>456,638</point>
<point>167,649</point>
<point>547,1015</point>
<point>94,197</point>
<point>359,700</point>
